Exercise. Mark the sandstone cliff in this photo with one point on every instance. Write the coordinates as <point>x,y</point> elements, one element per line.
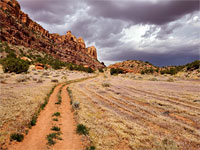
<point>17,28</point>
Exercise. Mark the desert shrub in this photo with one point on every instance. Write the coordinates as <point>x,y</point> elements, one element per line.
<point>170,80</point>
<point>105,84</point>
<point>100,70</point>
<point>17,137</point>
<point>51,138</point>
<point>116,71</point>
<point>55,128</point>
<point>33,121</point>
<point>89,70</point>
<point>91,148</point>
<point>193,66</point>
<point>40,81</point>
<point>12,64</point>
<point>54,80</point>
<point>81,129</point>
<point>22,79</point>
<point>147,71</point>
<point>76,105</point>
<point>80,68</point>
<point>153,79</point>
<point>56,114</point>
<point>55,119</point>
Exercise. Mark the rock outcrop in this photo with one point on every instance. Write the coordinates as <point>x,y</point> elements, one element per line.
<point>18,29</point>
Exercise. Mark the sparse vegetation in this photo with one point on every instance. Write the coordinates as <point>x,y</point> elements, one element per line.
<point>76,105</point>
<point>13,64</point>
<point>33,120</point>
<point>55,119</point>
<point>56,114</point>
<point>81,129</point>
<point>59,97</point>
<point>55,128</point>
<point>116,71</point>
<point>101,70</point>
<point>54,80</point>
<point>80,68</point>
<point>17,137</point>
<point>52,137</point>
<point>91,148</point>
<point>105,84</point>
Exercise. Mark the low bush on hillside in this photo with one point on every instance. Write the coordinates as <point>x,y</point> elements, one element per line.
<point>193,66</point>
<point>115,71</point>
<point>80,68</point>
<point>13,64</point>
<point>148,71</point>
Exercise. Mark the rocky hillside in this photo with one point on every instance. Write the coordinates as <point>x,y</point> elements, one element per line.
<point>137,66</point>
<point>134,66</point>
<point>18,29</point>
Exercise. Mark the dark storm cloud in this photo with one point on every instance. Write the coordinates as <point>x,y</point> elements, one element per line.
<point>50,11</point>
<point>177,55</point>
<point>159,12</point>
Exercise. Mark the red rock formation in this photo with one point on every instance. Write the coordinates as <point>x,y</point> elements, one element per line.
<point>17,28</point>
<point>92,51</point>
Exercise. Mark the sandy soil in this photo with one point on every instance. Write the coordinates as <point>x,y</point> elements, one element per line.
<point>125,113</point>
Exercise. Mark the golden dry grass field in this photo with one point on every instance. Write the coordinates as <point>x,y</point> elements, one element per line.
<point>138,114</point>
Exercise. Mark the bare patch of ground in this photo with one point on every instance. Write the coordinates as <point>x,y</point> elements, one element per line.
<point>140,112</point>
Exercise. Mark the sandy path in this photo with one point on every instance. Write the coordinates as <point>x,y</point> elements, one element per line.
<point>36,138</point>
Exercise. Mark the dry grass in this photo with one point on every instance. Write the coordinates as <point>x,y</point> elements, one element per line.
<point>139,114</point>
<point>22,95</point>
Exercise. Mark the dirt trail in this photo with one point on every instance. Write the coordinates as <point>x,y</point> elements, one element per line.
<point>36,138</point>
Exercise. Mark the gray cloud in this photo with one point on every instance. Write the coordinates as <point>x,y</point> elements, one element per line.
<point>144,12</point>
<point>177,56</point>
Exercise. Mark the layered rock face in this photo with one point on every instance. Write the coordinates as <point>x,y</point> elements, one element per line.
<point>18,29</point>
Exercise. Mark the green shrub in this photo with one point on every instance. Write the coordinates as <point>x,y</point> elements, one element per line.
<point>56,114</point>
<point>91,148</point>
<point>50,138</point>
<point>55,128</point>
<point>17,137</point>
<point>116,71</point>
<point>33,121</point>
<point>193,66</point>
<point>81,129</point>
<point>12,64</point>
<point>55,119</point>
<point>100,70</point>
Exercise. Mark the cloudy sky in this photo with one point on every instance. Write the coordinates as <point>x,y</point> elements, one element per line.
<point>163,32</point>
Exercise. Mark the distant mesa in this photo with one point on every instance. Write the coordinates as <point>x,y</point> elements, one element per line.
<point>18,29</point>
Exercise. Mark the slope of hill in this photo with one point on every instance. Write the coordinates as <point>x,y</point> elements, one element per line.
<point>134,66</point>
<point>137,66</point>
<point>18,29</point>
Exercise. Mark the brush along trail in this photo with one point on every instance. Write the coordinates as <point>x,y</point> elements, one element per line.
<point>66,138</point>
